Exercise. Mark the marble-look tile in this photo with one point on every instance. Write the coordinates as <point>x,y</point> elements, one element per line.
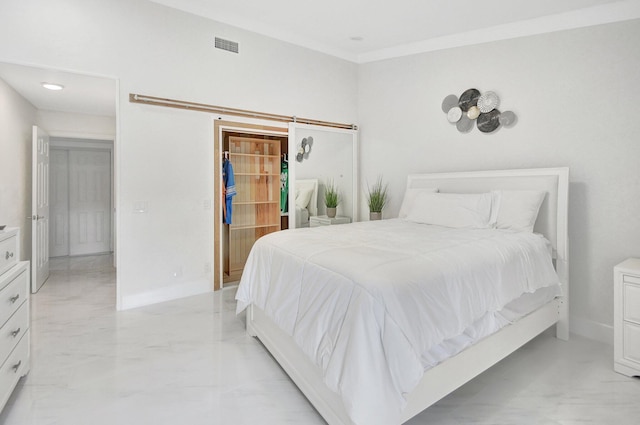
<point>190,361</point>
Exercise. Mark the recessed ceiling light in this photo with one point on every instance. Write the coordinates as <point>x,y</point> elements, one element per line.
<point>52,86</point>
<point>356,38</point>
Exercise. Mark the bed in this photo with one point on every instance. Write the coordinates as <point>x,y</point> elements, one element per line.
<point>358,362</point>
<point>306,201</point>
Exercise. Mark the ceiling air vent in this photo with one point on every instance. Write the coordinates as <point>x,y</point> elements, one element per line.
<point>230,46</point>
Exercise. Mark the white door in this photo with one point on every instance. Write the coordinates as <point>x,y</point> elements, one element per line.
<point>39,209</point>
<point>329,155</point>
<point>89,202</point>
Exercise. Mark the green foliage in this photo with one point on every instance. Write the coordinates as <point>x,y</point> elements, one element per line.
<point>331,195</point>
<point>377,196</point>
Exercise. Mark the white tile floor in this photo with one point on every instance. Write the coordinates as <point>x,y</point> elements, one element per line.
<point>189,362</point>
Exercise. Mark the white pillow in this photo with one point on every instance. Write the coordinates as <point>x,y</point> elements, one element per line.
<point>459,210</point>
<point>303,196</point>
<point>410,196</point>
<point>518,209</point>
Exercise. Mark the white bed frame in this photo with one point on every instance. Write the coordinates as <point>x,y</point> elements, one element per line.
<point>444,378</point>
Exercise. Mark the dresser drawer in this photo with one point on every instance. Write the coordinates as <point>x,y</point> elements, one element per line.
<point>13,368</point>
<point>13,330</point>
<point>631,346</point>
<point>8,250</point>
<point>13,295</point>
<point>631,306</point>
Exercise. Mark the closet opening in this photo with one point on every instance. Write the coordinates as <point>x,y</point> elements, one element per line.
<point>252,196</point>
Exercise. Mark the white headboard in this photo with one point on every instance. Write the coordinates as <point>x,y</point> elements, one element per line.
<point>313,202</point>
<point>552,218</point>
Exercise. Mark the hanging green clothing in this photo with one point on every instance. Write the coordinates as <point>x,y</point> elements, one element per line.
<point>284,187</point>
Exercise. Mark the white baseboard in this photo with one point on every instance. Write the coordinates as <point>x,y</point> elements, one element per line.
<point>579,326</point>
<point>592,330</point>
<point>168,293</point>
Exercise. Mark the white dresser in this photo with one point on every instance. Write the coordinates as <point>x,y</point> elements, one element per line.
<point>626,317</point>
<point>14,314</point>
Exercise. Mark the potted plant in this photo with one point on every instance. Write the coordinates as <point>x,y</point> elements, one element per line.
<point>331,199</point>
<point>376,199</point>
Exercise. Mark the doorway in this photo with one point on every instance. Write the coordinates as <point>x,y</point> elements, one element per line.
<point>86,107</point>
<point>81,192</point>
<point>265,136</point>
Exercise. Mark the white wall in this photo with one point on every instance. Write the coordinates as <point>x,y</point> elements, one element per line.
<point>84,126</point>
<point>164,157</point>
<point>575,93</point>
<point>17,116</point>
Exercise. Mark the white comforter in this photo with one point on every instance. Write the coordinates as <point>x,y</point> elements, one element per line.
<point>368,301</point>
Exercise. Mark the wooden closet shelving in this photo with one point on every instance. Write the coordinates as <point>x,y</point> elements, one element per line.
<point>256,207</point>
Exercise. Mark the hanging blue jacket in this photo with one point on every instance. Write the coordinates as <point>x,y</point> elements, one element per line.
<point>229,184</point>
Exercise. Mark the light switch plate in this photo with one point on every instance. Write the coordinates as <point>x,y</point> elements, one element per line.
<point>140,207</point>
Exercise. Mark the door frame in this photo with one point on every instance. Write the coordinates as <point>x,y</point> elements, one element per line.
<point>221,126</point>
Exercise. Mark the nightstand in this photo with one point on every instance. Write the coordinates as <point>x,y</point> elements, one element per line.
<point>323,220</point>
<point>626,317</point>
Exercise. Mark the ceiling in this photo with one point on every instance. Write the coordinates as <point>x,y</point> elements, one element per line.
<point>367,30</point>
<point>82,94</point>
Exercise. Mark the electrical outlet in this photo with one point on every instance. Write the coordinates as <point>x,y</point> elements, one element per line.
<point>177,273</point>
<point>207,267</point>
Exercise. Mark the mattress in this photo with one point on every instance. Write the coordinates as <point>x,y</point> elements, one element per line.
<point>375,304</point>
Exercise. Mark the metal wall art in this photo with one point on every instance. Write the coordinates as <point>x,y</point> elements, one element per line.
<point>304,149</point>
<point>481,108</point>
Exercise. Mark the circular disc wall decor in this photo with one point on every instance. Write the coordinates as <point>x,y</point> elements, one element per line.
<point>489,121</point>
<point>507,118</point>
<point>473,112</point>
<point>481,107</point>
<point>304,149</point>
<point>307,146</point>
<point>465,124</point>
<point>488,101</point>
<point>454,114</point>
<point>449,102</point>
<point>468,99</point>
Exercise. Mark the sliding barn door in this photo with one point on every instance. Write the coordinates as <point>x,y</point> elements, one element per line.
<point>329,155</point>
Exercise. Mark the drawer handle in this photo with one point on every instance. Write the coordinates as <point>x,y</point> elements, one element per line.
<point>14,298</point>
<point>8,255</point>
<point>16,366</point>
<point>15,333</point>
